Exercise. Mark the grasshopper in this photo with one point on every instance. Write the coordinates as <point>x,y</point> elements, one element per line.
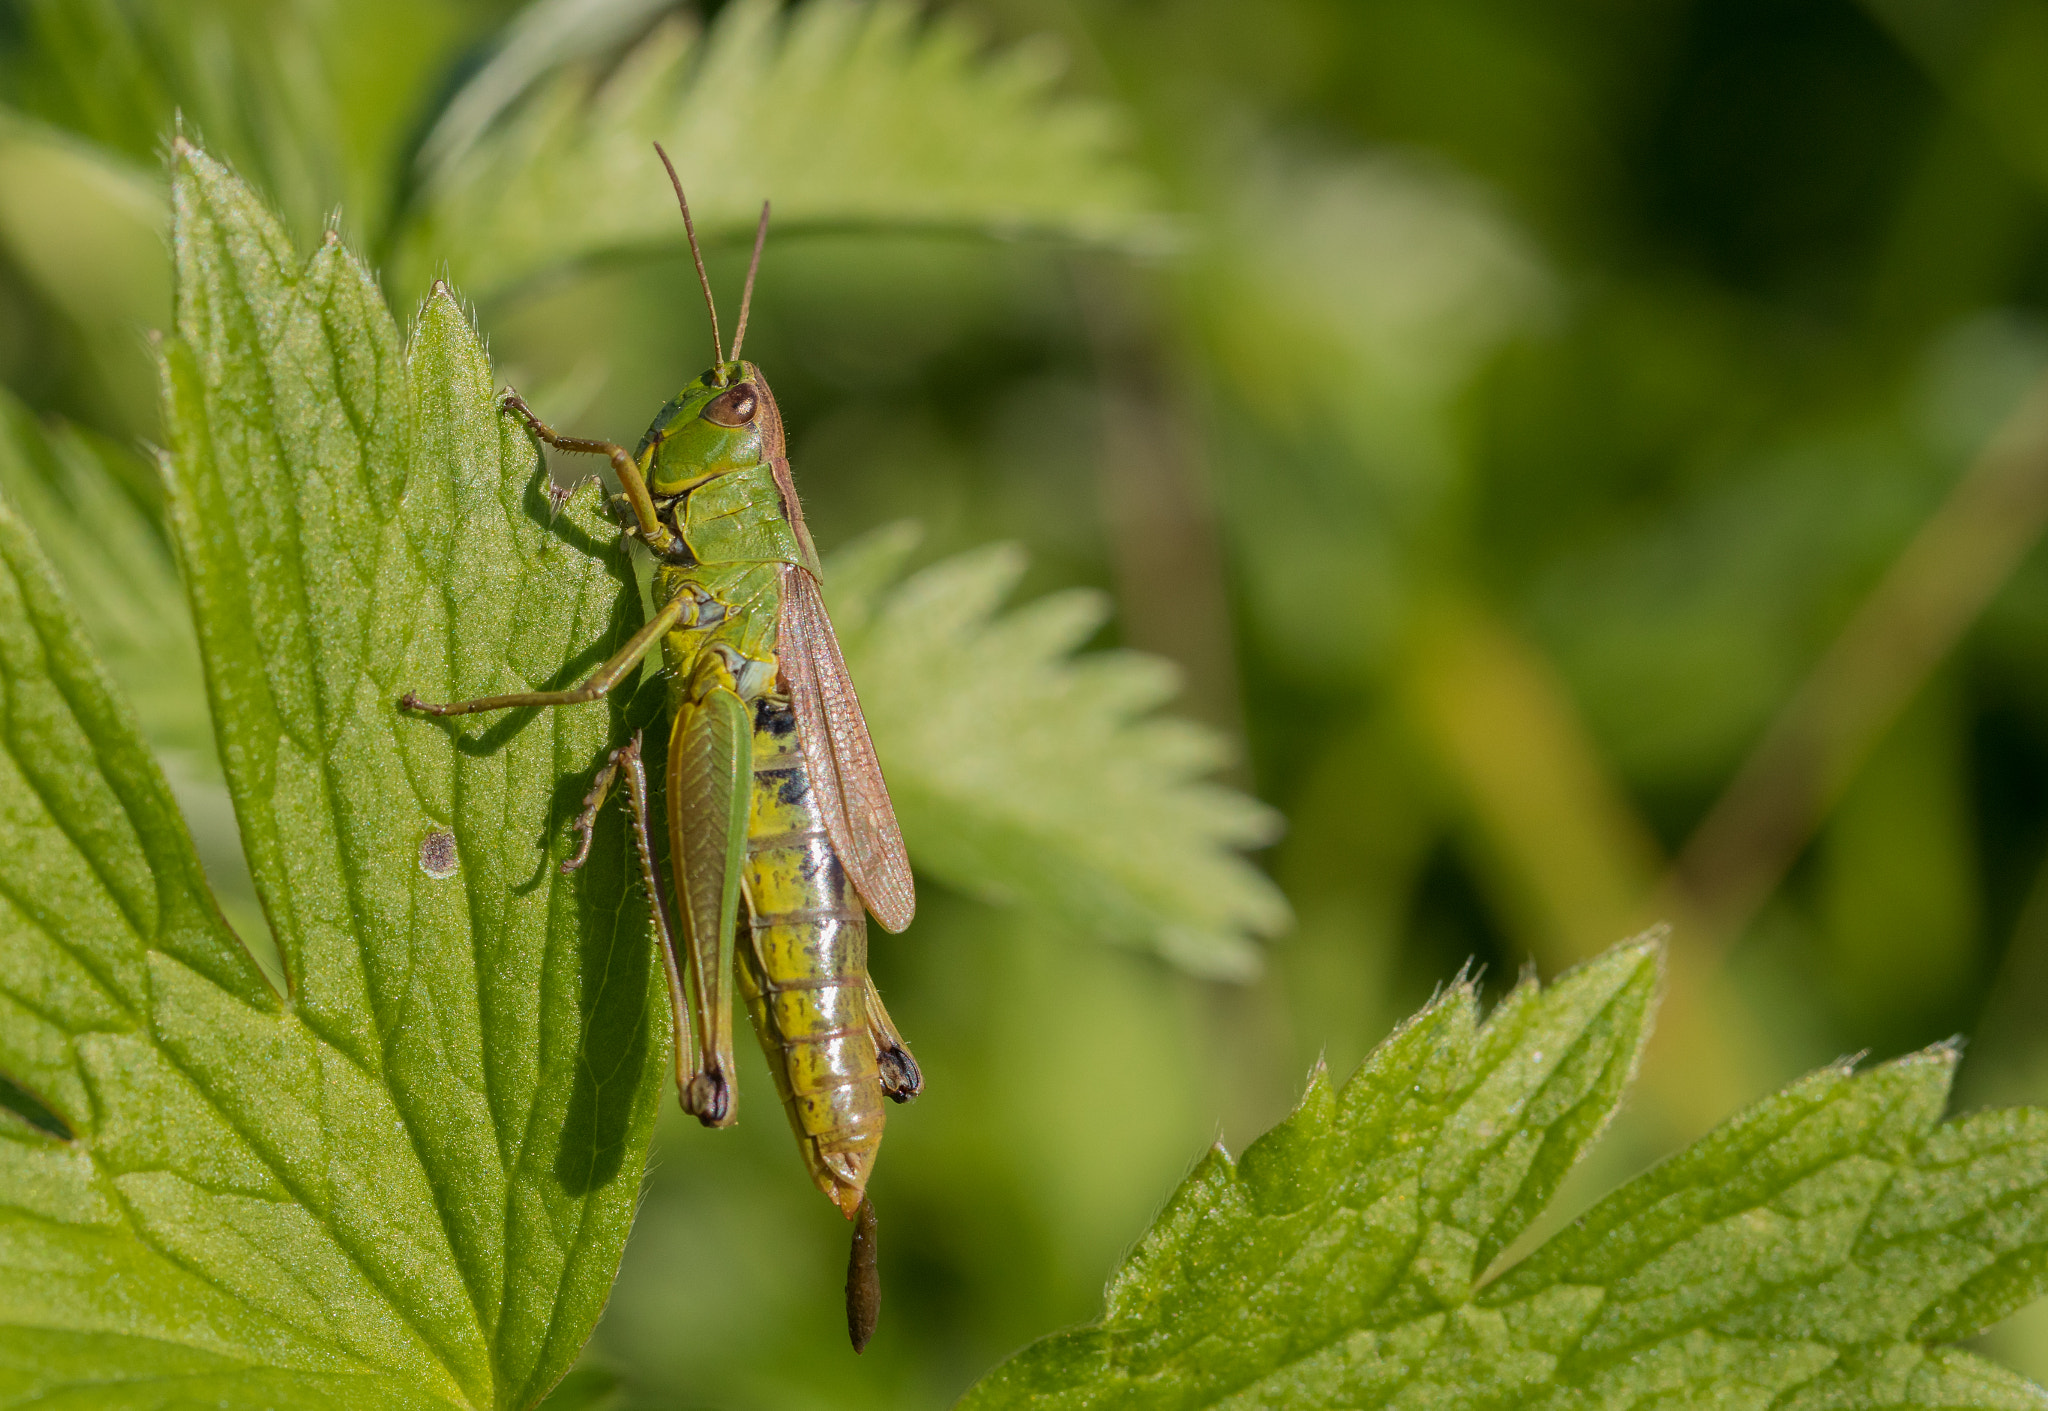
<point>781,835</point>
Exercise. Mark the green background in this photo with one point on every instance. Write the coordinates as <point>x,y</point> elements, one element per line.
<point>1500,414</point>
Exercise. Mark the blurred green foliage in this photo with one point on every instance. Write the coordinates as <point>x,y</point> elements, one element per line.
<point>1499,413</point>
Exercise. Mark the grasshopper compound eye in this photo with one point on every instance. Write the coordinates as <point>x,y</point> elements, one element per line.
<point>733,407</point>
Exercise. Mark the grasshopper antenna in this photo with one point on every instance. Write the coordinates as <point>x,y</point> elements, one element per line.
<point>747,295</point>
<point>689,228</point>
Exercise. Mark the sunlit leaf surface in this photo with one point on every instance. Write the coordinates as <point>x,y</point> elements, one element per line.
<point>1817,1251</point>
<point>407,1183</point>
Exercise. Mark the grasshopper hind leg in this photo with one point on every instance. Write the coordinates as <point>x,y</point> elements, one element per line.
<point>902,1079</point>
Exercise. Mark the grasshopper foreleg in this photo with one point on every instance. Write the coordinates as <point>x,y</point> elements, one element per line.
<point>657,534</point>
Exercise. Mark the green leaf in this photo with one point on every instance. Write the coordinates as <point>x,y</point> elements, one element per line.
<point>1023,773</point>
<point>96,510</point>
<point>158,1247</point>
<point>408,1183</point>
<point>846,114</point>
<point>1804,1255</point>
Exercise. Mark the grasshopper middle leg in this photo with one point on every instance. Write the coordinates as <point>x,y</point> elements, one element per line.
<point>596,687</point>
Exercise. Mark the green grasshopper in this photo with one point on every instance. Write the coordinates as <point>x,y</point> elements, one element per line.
<point>780,827</point>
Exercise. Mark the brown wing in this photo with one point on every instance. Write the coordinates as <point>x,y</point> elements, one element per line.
<point>839,756</point>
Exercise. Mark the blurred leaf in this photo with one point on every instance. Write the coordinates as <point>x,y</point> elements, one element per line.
<point>1804,1254</point>
<point>1386,277</point>
<point>846,114</point>
<point>547,35</point>
<point>1570,859</point>
<point>1683,631</point>
<point>1026,774</point>
<point>95,67</point>
<point>75,493</point>
<point>95,510</point>
<point>85,227</point>
<point>316,102</point>
<point>408,1185</point>
<point>1987,56</point>
<point>86,224</point>
<point>1896,881</point>
<point>1348,303</point>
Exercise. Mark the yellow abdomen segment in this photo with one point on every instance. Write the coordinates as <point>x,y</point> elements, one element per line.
<point>803,956</point>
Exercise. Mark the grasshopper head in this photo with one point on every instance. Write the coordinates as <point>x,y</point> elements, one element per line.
<point>725,420</point>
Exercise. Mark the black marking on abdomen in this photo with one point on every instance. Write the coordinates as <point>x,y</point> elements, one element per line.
<point>792,784</point>
<point>773,716</point>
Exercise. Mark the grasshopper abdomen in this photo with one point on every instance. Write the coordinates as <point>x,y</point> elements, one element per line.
<point>803,958</point>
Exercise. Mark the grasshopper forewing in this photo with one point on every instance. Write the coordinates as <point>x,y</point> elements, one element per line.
<point>841,756</point>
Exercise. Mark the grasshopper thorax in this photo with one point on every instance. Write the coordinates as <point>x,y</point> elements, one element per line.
<point>724,421</point>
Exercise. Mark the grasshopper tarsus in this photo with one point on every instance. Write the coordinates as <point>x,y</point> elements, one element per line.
<point>600,789</point>
<point>558,496</point>
<point>709,1098</point>
<point>901,1080</point>
<point>581,445</point>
